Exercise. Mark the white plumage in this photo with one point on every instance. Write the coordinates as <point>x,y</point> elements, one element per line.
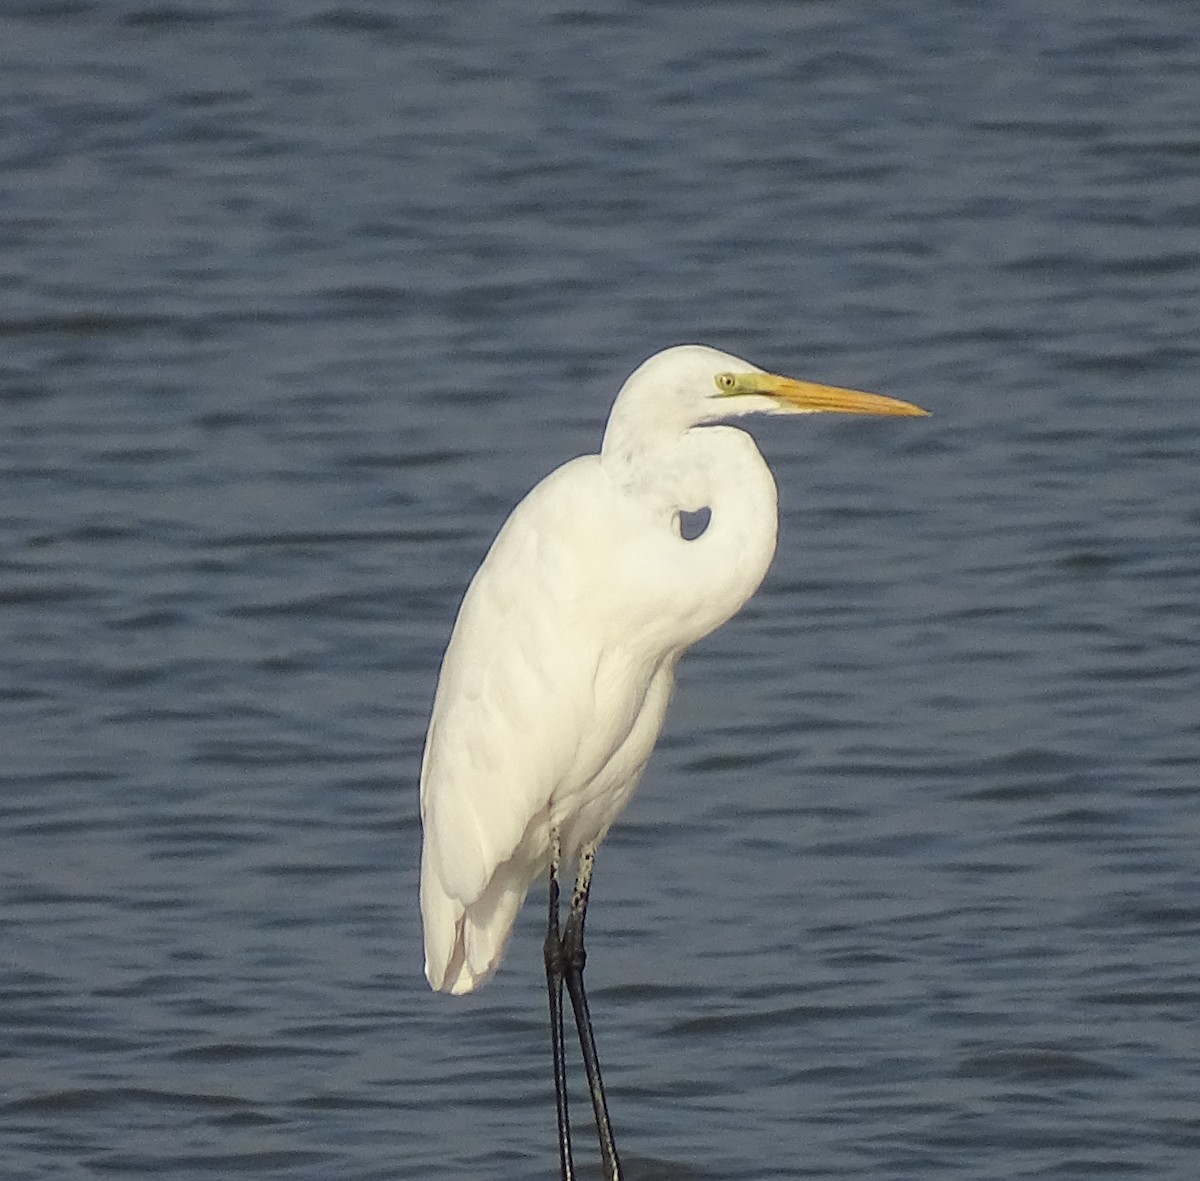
<point>556,680</point>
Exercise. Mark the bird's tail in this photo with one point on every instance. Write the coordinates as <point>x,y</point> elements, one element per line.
<point>465,944</point>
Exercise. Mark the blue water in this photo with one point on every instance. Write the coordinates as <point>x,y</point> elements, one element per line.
<point>296,300</point>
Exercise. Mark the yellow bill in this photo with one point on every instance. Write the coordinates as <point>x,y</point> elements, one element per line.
<point>808,397</point>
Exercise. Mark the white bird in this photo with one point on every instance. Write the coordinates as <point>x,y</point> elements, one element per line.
<point>556,679</point>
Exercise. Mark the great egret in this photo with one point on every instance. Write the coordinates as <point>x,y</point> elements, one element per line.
<point>557,675</point>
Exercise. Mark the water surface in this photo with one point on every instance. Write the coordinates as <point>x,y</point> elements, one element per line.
<point>296,301</point>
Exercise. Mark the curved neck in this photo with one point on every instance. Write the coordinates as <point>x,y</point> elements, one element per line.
<point>703,582</point>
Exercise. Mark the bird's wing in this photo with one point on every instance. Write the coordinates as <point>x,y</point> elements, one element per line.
<point>534,697</point>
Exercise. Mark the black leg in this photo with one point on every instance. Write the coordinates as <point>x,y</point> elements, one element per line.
<point>555,966</point>
<point>575,958</point>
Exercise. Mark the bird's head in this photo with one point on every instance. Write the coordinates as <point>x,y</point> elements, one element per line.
<point>694,385</point>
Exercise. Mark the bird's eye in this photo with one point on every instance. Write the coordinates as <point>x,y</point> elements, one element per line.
<point>725,381</point>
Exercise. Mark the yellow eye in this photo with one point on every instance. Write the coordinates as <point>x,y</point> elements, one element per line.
<point>725,381</point>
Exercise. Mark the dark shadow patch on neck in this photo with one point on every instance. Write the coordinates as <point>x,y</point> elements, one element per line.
<point>693,524</point>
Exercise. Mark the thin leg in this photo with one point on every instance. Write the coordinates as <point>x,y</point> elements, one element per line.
<point>555,966</point>
<point>576,957</point>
